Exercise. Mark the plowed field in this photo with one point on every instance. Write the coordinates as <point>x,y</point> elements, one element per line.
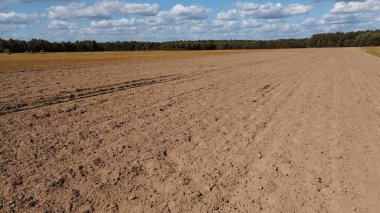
<point>270,131</point>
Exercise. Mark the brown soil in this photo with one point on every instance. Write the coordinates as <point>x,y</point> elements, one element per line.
<point>21,61</point>
<point>274,131</point>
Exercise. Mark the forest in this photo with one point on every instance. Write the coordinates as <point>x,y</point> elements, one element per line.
<point>339,39</point>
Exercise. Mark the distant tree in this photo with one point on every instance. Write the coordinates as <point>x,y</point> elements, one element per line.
<point>339,39</point>
<point>2,45</point>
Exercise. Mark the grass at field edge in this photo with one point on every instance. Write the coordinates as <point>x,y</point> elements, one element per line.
<point>373,51</point>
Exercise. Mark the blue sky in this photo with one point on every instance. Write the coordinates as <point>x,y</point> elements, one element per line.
<point>162,20</point>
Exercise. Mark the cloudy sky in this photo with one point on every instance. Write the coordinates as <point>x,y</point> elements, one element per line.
<point>162,20</point>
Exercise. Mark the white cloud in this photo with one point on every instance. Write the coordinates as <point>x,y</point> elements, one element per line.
<point>139,9</point>
<point>271,10</point>
<point>124,22</point>
<point>6,3</point>
<point>256,23</point>
<point>61,25</point>
<point>231,14</point>
<point>310,22</point>
<point>178,15</point>
<point>177,21</point>
<point>216,26</point>
<point>356,6</point>
<point>16,18</point>
<point>353,13</point>
<point>102,9</point>
<point>190,12</point>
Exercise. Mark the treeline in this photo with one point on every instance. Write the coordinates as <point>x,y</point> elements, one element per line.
<point>350,39</point>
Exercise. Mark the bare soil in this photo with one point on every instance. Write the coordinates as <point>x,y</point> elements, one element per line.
<point>274,131</point>
<point>21,61</point>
